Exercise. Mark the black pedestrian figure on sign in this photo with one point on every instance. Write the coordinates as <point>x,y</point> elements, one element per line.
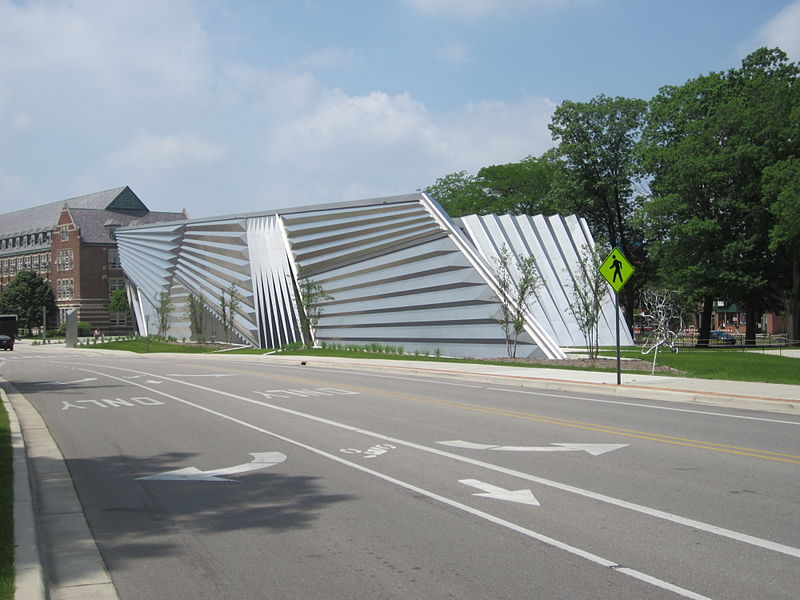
<point>616,264</point>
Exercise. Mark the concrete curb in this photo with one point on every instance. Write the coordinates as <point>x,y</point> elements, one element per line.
<point>29,579</point>
<point>56,541</point>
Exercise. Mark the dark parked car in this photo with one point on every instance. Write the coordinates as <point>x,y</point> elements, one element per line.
<point>722,337</point>
<point>6,342</point>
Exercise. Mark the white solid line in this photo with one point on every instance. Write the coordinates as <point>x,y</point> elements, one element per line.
<point>594,558</point>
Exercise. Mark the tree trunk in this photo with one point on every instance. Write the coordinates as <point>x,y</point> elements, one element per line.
<point>704,334</point>
<point>793,311</point>
<point>753,317</point>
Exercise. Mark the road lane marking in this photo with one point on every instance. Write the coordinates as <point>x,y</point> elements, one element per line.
<point>545,394</point>
<point>371,452</point>
<point>631,433</point>
<point>574,550</point>
<point>646,510</point>
<point>593,449</point>
<point>261,460</point>
<point>140,401</point>
<point>497,493</point>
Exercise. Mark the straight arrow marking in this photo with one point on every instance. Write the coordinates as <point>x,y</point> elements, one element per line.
<point>593,449</point>
<point>492,491</point>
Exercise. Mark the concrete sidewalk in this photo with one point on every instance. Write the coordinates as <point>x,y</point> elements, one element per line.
<point>50,512</point>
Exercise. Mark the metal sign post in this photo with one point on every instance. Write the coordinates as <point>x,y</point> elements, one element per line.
<point>617,270</point>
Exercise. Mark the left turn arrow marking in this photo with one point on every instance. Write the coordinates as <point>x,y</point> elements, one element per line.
<point>261,460</point>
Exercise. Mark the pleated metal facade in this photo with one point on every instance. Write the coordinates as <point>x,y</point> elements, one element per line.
<point>557,244</point>
<point>396,271</point>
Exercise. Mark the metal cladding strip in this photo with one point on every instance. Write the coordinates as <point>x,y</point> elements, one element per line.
<point>272,283</point>
<point>485,245</point>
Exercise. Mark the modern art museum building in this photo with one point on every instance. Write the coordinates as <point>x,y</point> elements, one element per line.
<point>394,271</point>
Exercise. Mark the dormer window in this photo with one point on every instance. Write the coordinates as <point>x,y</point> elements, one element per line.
<point>111,228</point>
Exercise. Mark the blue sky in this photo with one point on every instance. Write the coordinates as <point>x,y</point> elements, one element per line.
<point>227,106</point>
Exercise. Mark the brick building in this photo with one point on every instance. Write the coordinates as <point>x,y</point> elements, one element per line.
<point>71,244</point>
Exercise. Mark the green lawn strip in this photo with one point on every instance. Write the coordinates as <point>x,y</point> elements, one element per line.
<point>722,363</point>
<point>6,510</point>
<point>142,346</point>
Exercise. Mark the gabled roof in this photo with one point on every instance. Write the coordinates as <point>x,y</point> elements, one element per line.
<point>45,216</point>
<point>96,225</point>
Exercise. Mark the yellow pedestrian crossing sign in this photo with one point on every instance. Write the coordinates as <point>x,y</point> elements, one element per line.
<point>616,269</point>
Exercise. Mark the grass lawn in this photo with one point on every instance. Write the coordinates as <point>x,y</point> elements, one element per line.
<point>143,346</point>
<point>723,363</point>
<point>6,511</point>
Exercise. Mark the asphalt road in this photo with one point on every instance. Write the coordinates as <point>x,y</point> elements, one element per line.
<point>231,478</point>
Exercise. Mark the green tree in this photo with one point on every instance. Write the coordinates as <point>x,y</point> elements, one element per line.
<point>312,297</point>
<point>520,188</point>
<point>229,302</point>
<point>459,194</point>
<point>517,280</point>
<point>782,193</point>
<point>196,310</point>
<point>118,303</point>
<point>589,290</point>
<point>597,141</point>
<point>164,308</point>
<point>707,144</point>
<point>25,296</point>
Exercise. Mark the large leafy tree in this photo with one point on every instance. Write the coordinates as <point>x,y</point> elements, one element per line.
<point>596,142</point>
<point>707,144</point>
<point>519,188</point>
<point>25,296</point>
<point>782,193</point>
<point>459,194</point>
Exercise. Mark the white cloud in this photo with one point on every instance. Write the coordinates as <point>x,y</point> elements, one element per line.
<point>15,193</point>
<point>478,8</point>
<point>782,31</point>
<point>20,121</point>
<point>329,58</point>
<point>453,52</point>
<point>373,145</point>
<point>149,152</point>
<point>110,92</point>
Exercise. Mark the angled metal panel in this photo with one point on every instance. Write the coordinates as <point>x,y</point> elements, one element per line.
<point>272,278</point>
